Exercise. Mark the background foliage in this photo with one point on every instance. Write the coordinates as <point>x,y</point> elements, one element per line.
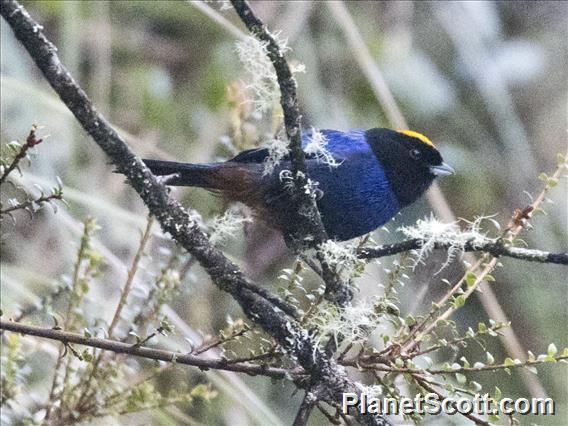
<point>485,81</point>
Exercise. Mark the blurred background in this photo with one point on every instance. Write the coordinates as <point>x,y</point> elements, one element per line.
<point>486,81</point>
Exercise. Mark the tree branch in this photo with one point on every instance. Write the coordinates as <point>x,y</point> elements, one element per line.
<point>257,304</point>
<point>150,353</point>
<point>493,247</point>
<point>309,219</point>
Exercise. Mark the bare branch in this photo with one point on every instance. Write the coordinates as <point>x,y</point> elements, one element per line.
<point>149,353</point>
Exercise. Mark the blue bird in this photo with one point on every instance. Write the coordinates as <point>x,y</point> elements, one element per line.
<point>377,173</point>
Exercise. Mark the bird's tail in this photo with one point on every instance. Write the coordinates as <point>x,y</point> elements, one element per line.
<point>239,182</point>
<point>200,175</point>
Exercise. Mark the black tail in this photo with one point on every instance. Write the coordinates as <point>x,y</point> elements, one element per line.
<point>189,174</point>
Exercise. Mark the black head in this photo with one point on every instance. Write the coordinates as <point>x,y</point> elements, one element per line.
<point>410,160</point>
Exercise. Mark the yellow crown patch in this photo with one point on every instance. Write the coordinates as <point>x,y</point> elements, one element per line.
<point>417,135</point>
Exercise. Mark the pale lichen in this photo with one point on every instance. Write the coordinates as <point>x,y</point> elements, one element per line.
<point>432,233</point>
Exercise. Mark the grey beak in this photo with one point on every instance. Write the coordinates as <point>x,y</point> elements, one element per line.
<point>443,169</point>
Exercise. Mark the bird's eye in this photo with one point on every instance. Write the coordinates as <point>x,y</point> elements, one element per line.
<point>415,154</point>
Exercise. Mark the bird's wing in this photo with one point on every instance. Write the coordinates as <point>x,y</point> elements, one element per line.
<point>339,144</point>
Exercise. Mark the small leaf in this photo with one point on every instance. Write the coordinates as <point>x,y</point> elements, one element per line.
<point>459,301</point>
<point>497,394</point>
<point>470,278</point>
<point>490,359</point>
<point>552,350</point>
<point>410,320</point>
<point>476,387</point>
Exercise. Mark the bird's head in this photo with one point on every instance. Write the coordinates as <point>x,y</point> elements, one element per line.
<point>410,160</point>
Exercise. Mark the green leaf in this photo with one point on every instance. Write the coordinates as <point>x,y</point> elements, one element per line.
<point>86,355</point>
<point>552,350</point>
<point>409,320</point>
<point>461,378</point>
<point>490,359</point>
<point>508,362</point>
<point>459,301</point>
<point>204,392</point>
<point>470,278</point>
<point>552,182</point>
<point>543,177</point>
<point>493,418</point>
<point>497,394</point>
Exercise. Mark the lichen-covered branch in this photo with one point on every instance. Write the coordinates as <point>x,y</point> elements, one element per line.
<point>309,221</point>
<point>493,247</point>
<point>264,309</point>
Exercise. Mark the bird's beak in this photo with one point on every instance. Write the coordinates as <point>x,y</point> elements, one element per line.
<point>443,169</point>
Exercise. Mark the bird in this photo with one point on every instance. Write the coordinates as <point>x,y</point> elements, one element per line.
<point>374,174</point>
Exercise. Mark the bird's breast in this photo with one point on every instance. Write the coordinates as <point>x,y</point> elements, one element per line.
<point>357,197</point>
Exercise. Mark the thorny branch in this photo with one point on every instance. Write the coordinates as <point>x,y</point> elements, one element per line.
<point>264,309</point>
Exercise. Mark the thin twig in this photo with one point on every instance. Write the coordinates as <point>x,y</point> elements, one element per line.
<point>430,389</point>
<point>130,278</point>
<point>29,203</point>
<point>31,141</point>
<point>149,353</point>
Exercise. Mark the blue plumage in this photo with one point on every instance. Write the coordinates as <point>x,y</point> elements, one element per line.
<point>365,200</point>
<point>378,172</point>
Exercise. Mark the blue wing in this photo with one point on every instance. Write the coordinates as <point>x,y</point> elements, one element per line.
<point>357,197</point>
<point>339,144</point>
